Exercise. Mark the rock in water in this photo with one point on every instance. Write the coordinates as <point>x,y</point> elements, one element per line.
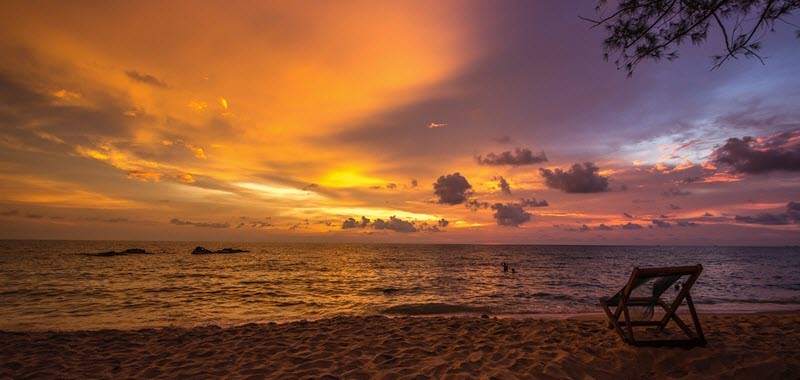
<point>230,250</point>
<point>200,251</point>
<point>133,251</point>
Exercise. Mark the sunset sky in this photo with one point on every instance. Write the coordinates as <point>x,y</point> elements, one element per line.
<point>257,121</point>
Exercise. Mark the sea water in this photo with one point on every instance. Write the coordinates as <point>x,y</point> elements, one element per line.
<point>54,285</point>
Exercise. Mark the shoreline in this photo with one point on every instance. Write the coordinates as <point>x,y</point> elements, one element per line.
<point>585,316</point>
<point>739,345</point>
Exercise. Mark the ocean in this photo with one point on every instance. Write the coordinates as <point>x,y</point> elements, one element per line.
<point>52,285</point>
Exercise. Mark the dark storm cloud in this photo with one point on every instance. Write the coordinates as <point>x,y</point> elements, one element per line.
<point>578,179</point>
<point>631,226</point>
<point>756,156</point>
<point>517,157</point>
<point>791,216</point>
<point>510,214</point>
<point>145,78</point>
<point>179,222</point>
<point>661,223</point>
<point>504,186</point>
<point>532,202</point>
<point>452,189</point>
<point>394,224</point>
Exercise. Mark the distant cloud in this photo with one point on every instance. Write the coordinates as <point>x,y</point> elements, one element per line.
<point>352,223</point>
<point>255,224</point>
<point>675,192</point>
<point>510,214</point>
<point>686,223</point>
<point>414,182</point>
<point>503,139</point>
<point>603,227</point>
<point>144,176</point>
<point>474,204</point>
<point>179,222</point>
<point>504,186</point>
<point>532,202</point>
<point>631,226</point>
<point>578,179</point>
<point>661,223</point>
<point>394,224</point>
<point>452,189</point>
<point>442,223</point>
<point>629,216</point>
<point>10,213</point>
<point>145,78</point>
<point>520,156</point>
<point>674,207</point>
<point>756,156</point>
<point>791,216</point>
<point>185,177</point>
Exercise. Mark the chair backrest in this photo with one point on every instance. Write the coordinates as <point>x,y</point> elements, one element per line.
<point>661,279</point>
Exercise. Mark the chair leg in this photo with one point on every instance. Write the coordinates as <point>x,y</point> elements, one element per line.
<point>628,324</point>
<point>695,318</point>
<point>612,321</point>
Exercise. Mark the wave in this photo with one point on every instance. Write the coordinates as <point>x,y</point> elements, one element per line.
<point>433,309</point>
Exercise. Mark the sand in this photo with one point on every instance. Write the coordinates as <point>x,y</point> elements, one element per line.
<point>739,346</point>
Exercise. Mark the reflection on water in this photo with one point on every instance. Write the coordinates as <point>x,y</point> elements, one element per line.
<point>47,285</point>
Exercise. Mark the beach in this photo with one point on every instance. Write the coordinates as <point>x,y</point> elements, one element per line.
<point>761,346</point>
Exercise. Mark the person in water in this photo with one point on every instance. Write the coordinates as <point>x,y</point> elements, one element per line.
<point>513,270</point>
<point>505,266</point>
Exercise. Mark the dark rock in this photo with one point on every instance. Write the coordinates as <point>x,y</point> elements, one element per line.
<point>200,251</point>
<point>203,251</point>
<point>231,250</point>
<point>129,251</point>
<point>133,251</point>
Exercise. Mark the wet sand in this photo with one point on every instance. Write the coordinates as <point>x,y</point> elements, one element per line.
<point>760,346</point>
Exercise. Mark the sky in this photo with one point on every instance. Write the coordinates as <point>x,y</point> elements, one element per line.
<point>399,122</point>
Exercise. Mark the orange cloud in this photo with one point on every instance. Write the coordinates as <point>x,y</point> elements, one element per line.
<point>144,176</point>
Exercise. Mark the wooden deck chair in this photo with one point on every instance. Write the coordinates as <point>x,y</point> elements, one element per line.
<point>644,290</point>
